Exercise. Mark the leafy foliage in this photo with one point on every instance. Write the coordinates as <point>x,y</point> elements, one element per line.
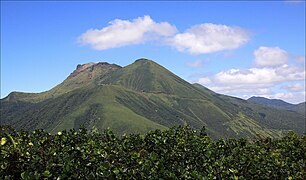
<point>176,153</point>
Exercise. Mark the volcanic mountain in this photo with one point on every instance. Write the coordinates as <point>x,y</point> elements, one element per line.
<point>140,97</point>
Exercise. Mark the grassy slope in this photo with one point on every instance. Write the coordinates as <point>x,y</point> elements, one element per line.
<point>97,107</point>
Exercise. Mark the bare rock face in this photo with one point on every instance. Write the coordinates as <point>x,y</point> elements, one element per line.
<point>82,67</point>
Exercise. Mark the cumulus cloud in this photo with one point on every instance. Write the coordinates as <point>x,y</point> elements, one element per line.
<point>260,75</point>
<point>270,56</point>
<point>123,32</point>
<point>199,39</point>
<point>273,76</point>
<point>256,81</point>
<point>208,38</point>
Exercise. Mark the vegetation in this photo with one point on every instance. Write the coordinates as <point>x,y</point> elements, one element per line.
<point>176,153</point>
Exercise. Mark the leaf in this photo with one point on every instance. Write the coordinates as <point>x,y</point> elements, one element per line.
<point>47,173</point>
<point>3,141</point>
<point>24,175</point>
<point>116,171</point>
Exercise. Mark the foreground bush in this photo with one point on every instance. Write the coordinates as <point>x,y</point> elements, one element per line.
<point>177,153</point>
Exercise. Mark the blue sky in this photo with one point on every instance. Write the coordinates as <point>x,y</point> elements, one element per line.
<point>236,48</point>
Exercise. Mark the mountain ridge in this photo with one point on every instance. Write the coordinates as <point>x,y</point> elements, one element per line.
<point>276,102</point>
<point>140,97</point>
<point>279,104</point>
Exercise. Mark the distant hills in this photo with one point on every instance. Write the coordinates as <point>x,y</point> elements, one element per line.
<point>140,97</point>
<point>280,104</point>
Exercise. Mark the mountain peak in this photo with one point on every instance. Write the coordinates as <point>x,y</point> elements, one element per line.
<point>144,61</point>
<point>145,75</point>
<point>81,67</point>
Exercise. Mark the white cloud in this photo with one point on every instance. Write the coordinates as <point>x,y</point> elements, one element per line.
<point>196,64</point>
<point>123,32</point>
<point>273,77</point>
<point>270,56</point>
<point>208,38</point>
<point>260,75</point>
<point>294,87</point>
<point>199,39</point>
<point>246,92</point>
<point>256,81</point>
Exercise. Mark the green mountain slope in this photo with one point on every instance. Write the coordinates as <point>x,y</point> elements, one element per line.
<point>147,76</point>
<point>85,106</point>
<point>140,97</point>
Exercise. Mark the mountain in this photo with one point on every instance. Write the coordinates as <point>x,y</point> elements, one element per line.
<point>280,104</point>
<point>269,102</point>
<point>140,97</point>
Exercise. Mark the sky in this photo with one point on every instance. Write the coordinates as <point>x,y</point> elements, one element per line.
<point>236,48</point>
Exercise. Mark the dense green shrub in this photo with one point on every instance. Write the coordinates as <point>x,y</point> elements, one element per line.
<point>176,153</point>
